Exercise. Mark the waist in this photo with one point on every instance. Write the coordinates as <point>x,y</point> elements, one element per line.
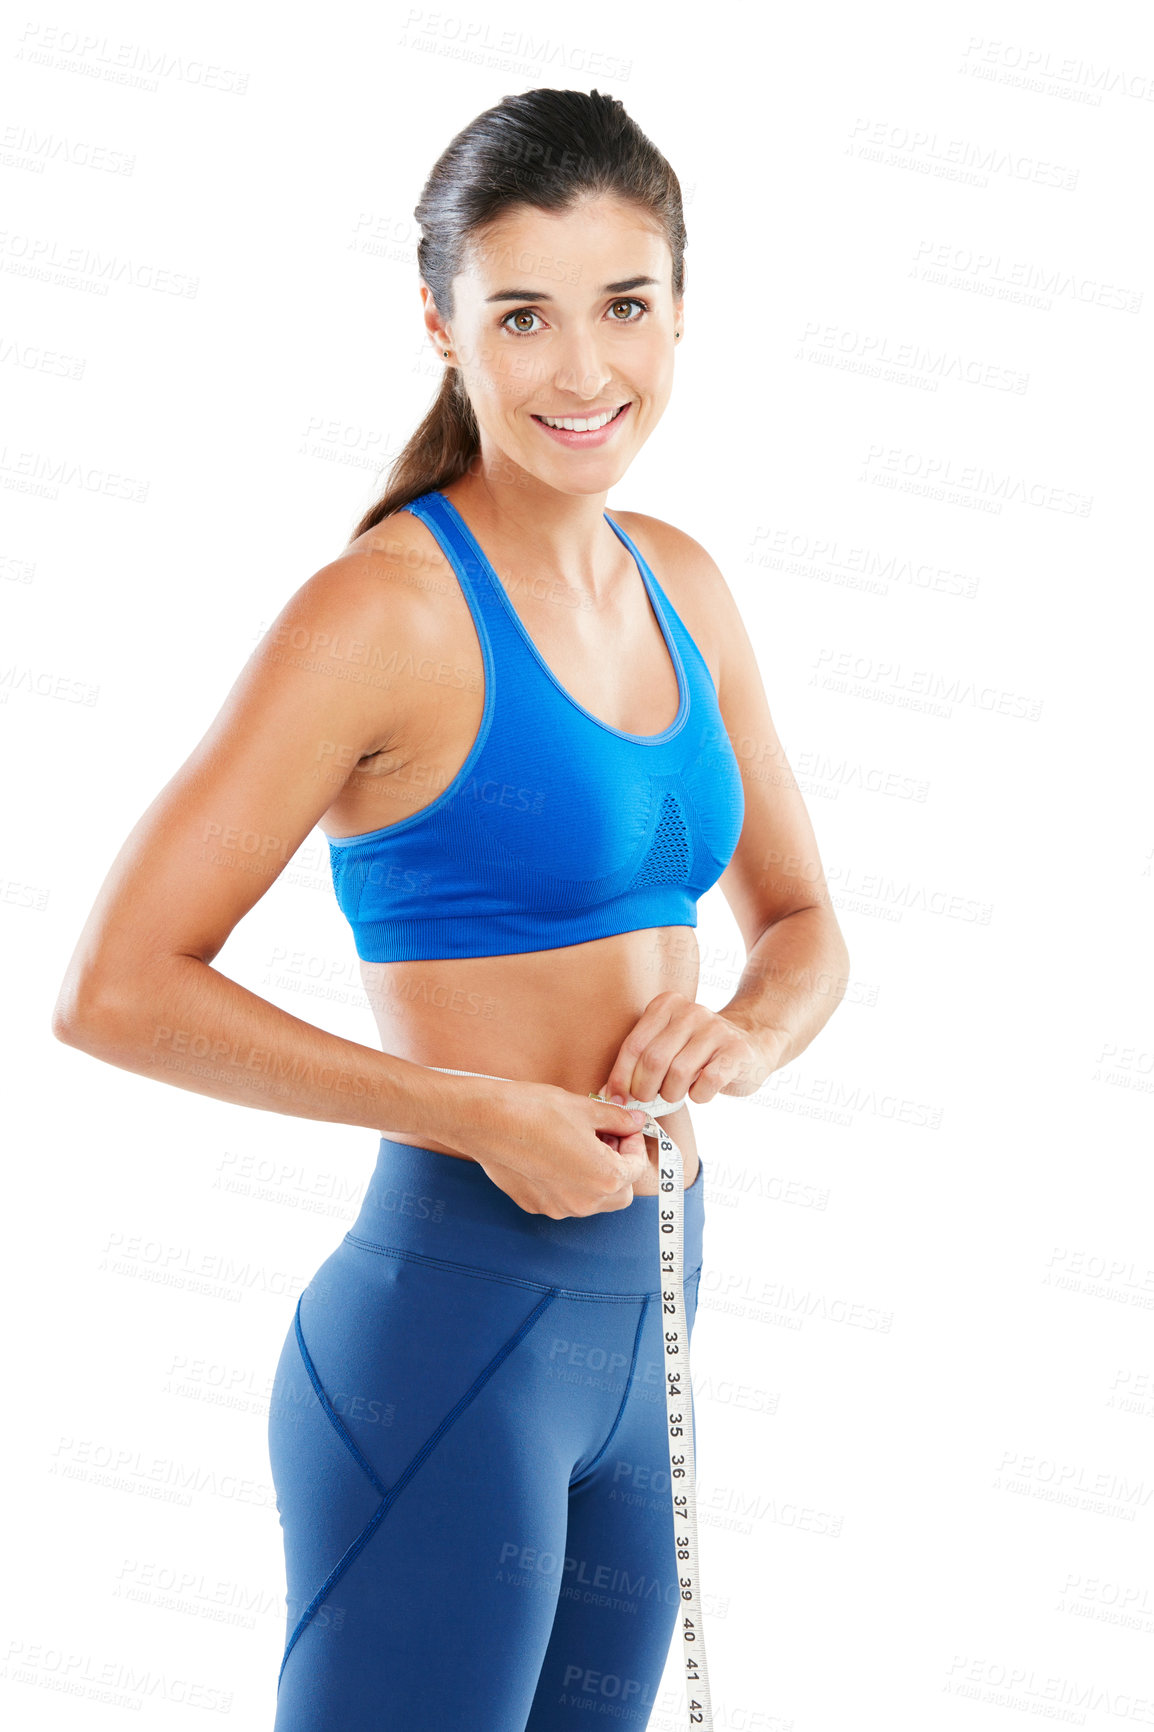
<point>556,1016</point>
<point>443,1209</point>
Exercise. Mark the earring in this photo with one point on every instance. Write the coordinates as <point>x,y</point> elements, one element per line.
<point>676,334</point>
<point>444,351</point>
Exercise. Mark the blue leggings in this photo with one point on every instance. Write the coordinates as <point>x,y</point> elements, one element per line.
<point>468,1441</point>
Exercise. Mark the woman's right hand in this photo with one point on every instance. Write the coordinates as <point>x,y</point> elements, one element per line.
<point>557,1153</point>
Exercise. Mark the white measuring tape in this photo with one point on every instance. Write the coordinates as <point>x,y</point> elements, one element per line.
<point>678,1394</point>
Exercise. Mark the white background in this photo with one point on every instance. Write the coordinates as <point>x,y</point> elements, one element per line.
<point>911,423</point>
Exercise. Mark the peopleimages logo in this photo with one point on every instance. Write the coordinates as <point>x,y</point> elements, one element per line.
<point>494,793</point>
<point>397,878</point>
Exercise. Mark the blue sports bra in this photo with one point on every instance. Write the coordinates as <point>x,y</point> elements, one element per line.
<point>557,828</point>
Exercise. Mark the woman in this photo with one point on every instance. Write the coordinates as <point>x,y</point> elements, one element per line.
<point>518,742</point>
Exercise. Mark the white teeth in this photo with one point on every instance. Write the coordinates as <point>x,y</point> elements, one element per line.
<point>575,426</point>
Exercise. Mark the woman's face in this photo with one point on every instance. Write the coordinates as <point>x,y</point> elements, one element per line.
<point>565,315</point>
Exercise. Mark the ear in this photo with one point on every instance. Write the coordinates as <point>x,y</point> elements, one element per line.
<point>438,331</point>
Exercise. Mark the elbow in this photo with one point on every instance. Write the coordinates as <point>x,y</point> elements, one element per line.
<point>831,955</point>
<point>839,962</point>
<point>83,1015</point>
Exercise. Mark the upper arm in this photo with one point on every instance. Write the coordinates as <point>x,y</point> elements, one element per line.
<point>775,869</point>
<point>283,743</point>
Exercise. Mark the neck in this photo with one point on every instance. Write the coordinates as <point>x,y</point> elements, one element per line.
<point>522,522</point>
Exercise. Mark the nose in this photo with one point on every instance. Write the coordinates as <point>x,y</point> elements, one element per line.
<point>581,368</point>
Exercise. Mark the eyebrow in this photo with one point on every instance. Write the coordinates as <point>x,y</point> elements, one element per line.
<point>621,288</point>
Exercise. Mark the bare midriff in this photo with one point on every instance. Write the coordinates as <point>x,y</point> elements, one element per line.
<point>552,1016</point>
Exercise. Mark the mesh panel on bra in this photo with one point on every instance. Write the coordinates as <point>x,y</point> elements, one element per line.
<point>667,861</point>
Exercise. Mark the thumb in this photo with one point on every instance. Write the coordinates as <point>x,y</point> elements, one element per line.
<point>620,1121</point>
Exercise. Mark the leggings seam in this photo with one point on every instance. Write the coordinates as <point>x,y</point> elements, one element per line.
<point>330,1410</point>
<point>624,1398</point>
<point>389,1497</point>
<point>511,1280</point>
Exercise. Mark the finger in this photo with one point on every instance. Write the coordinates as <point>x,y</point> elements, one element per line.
<point>619,1200</point>
<point>635,1143</point>
<point>717,1074</point>
<point>634,1151</point>
<point>678,1051</point>
<point>699,1068</point>
<point>711,1081</point>
<point>618,1120</point>
<point>628,1166</point>
<point>657,1016</point>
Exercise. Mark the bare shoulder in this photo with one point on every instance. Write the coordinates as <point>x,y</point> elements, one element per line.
<point>393,538</point>
<point>399,559</point>
<point>391,589</point>
<point>356,627</point>
<point>691,578</point>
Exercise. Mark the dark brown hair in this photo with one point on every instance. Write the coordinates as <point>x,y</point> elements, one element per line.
<point>545,148</point>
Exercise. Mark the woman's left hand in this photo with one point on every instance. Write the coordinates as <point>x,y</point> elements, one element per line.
<point>678,1048</point>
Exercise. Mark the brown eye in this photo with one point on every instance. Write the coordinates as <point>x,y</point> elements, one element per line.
<point>522,330</point>
<point>632,301</point>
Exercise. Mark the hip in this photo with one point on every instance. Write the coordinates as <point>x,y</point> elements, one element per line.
<point>424,1204</point>
<point>678,1125</point>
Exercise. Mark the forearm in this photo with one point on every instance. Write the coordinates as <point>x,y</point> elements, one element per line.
<point>794,979</point>
<point>188,1024</point>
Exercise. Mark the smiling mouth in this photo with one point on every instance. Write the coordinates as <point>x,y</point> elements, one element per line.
<point>547,421</point>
